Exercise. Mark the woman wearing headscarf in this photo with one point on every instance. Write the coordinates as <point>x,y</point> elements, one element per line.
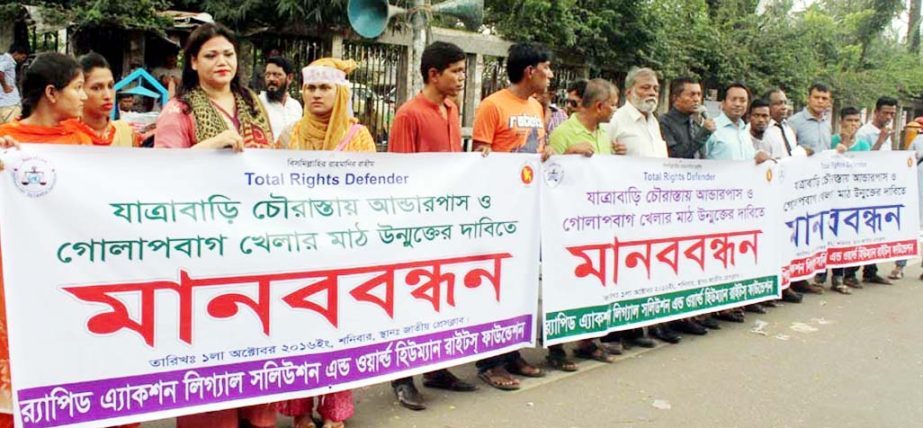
<point>328,122</point>
<point>327,125</point>
<point>95,122</point>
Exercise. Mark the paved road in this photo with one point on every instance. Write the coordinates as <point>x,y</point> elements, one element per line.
<point>832,361</point>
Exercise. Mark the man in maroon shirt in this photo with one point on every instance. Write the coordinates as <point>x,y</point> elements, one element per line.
<point>430,123</point>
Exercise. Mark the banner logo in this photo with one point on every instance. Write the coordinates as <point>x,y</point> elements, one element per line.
<point>527,175</point>
<point>554,174</point>
<point>34,177</point>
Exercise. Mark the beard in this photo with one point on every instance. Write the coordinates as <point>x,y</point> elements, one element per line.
<point>277,93</point>
<point>644,105</point>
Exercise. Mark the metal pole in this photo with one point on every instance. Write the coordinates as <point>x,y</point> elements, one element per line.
<point>419,43</point>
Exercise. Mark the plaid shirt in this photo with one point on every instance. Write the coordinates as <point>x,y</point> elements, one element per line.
<point>558,117</point>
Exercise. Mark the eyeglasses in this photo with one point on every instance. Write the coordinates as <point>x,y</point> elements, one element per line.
<point>571,103</point>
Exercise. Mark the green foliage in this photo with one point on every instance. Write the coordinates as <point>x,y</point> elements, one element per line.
<point>845,43</point>
<point>133,14</point>
<point>242,14</point>
<point>612,34</point>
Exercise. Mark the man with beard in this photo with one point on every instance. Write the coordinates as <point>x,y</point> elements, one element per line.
<point>283,110</point>
<point>635,131</point>
<point>634,124</point>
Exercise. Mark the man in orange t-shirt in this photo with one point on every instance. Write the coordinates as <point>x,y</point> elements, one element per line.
<point>511,120</point>
<point>430,123</point>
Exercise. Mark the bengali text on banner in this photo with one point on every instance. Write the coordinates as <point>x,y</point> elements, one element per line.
<point>873,212</point>
<point>144,284</point>
<point>628,242</point>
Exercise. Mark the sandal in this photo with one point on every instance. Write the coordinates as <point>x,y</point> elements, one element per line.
<point>842,289</point>
<point>499,378</point>
<point>559,361</point>
<point>897,273</point>
<point>521,367</point>
<point>593,352</point>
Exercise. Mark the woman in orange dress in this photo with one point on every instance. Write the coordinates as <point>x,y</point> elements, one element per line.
<point>213,111</point>
<point>95,122</point>
<point>53,97</point>
<point>52,94</point>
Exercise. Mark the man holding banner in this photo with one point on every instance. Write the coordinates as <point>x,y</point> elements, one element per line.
<point>430,123</point>
<point>510,120</point>
<point>732,141</point>
<point>583,135</point>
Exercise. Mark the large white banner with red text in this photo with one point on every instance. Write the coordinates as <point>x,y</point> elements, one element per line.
<point>143,284</point>
<point>628,242</point>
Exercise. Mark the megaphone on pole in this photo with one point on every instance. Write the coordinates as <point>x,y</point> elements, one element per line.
<point>370,17</point>
<point>470,12</point>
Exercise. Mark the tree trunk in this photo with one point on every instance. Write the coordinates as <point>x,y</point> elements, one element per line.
<point>913,30</point>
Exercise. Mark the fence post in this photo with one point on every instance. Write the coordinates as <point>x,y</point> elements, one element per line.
<point>475,66</point>
<point>406,75</point>
<point>336,46</point>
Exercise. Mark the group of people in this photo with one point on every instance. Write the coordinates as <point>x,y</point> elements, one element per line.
<point>68,101</point>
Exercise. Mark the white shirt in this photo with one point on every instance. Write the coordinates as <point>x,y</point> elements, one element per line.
<point>8,67</point>
<point>774,144</point>
<point>869,132</point>
<point>281,115</point>
<point>640,134</point>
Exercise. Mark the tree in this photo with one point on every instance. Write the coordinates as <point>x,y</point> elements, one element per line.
<point>913,28</point>
<point>606,33</point>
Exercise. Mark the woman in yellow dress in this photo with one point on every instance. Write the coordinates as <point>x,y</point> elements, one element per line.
<point>327,125</point>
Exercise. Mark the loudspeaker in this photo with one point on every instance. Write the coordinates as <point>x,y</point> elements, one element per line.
<point>370,17</point>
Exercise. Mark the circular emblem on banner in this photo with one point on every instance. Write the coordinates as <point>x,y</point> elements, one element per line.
<point>527,174</point>
<point>769,175</point>
<point>554,174</point>
<point>34,177</point>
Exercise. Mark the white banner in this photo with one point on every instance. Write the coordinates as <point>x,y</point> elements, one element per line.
<point>628,242</point>
<point>848,209</point>
<point>805,205</point>
<point>874,207</point>
<point>143,284</point>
